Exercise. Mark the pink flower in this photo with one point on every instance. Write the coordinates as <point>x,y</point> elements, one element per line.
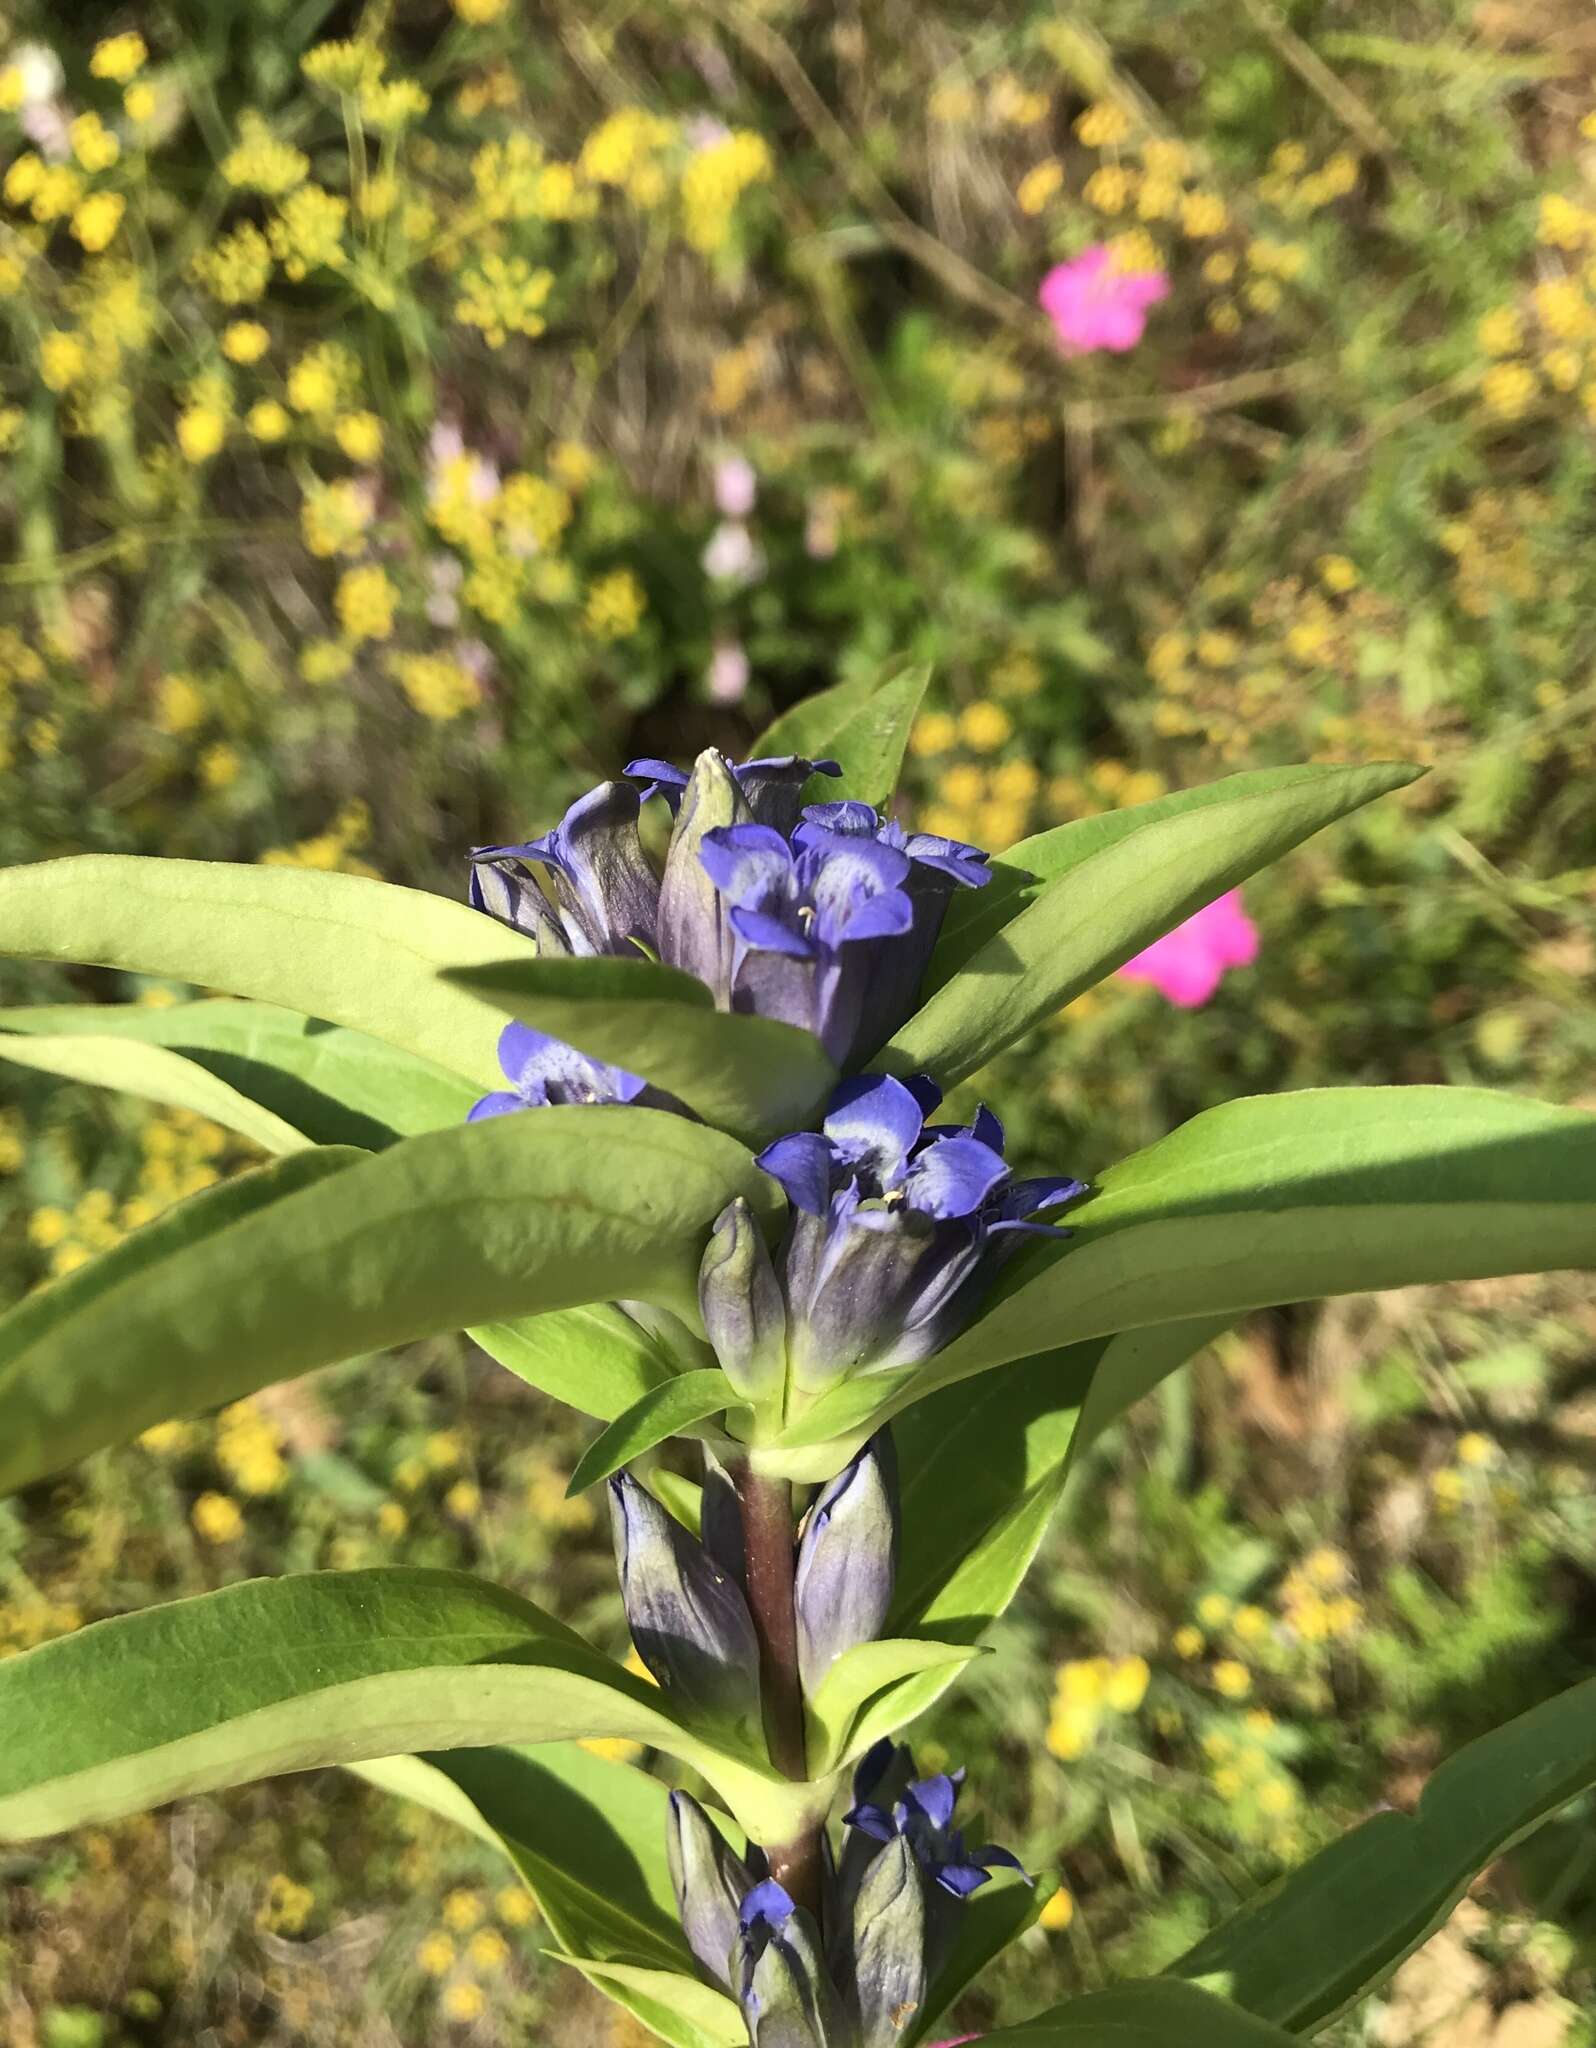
<point>736,487</point>
<point>1188,964</point>
<point>727,676</point>
<point>1094,305</point>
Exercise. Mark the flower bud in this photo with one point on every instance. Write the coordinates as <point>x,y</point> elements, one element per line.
<point>739,1298</point>
<point>692,931</point>
<point>689,1620</point>
<point>720,1523</point>
<point>710,1883</point>
<point>779,1976</point>
<point>889,1947</point>
<point>847,1561</point>
<point>504,888</point>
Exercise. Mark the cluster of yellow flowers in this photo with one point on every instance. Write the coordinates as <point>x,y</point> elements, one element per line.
<point>1468,1481</point>
<point>249,1449</point>
<point>463,1948</point>
<point>36,1619</point>
<point>1261,1798</point>
<point>181,1154</point>
<point>1542,348</point>
<point>1316,1604</point>
<point>1492,543</point>
<point>1086,1693</point>
<point>286,1906</point>
<point>714,181</point>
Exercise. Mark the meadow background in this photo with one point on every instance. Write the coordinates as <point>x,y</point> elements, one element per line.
<point>410,412</point>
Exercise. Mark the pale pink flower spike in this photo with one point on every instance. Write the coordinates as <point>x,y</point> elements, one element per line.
<point>1093,305</point>
<point>1188,964</point>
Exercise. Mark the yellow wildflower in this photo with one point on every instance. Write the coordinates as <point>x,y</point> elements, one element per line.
<point>502,296</point>
<point>463,1500</point>
<point>461,1911</point>
<point>245,341</point>
<point>1108,188</point>
<point>97,219</point>
<point>392,1521</point>
<point>365,600</point>
<point>435,1956</point>
<point>217,1518</point>
<point>62,358</point>
<point>1042,182</point>
<point>359,435</point>
<point>201,430</point>
<point>1126,1686</point>
<point>1231,1679</point>
<point>984,726</point>
<point>119,58</point>
<point>1562,224</point>
<point>1250,1624</point>
<point>1214,1610</point>
<point>219,766</point>
<point>1508,390</point>
<point>179,704</point>
<point>439,687</point>
<point>139,103</point>
<point>1337,573</point>
<point>342,66</point>
<point>615,606</point>
<point>392,102</point>
<point>488,1949</point>
<point>1203,215</point>
<point>1103,124</point>
<point>93,144</point>
<point>1059,1911</point>
<point>56,192</point>
<point>516,1906</point>
<point>1188,1642</point>
<point>1070,1730</point>
<point>263,163</point>
<point>1475,1449</point>
<point>1501,331</point>
<point>267,420</point>
<point>237,269</point>
<point>463,2000</point>
<point>286,1907</point>
<point>308,231</point>
<point>574,463</point>
<point>478,13</point>
<point>715,179</point>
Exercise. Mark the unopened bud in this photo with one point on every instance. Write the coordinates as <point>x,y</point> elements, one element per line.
<point>720,1520</point>
<point>889,1947</point>
<point>739,1298</point>
<point>692,931</point>
<point>779,1976</point>
<point>688,1618</point>
<point>847,1561</point>
<point>710,1883</point>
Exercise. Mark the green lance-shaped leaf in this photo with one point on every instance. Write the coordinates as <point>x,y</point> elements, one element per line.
<point>270,1074</point>
<point>671,1409</point>
<point>1031,865</point>
<point>871,743</point>
<point>985,1466</point>
<point>542,1210</point>
<point>356,952</point>
<point>873,1690</point>
<point>1156,2013</point>
<point>586,1833</point>
<point>1327,1934</point>
<point>1290,1197</point>
<point>809,727</point>
<point>594,1358</point>
<point>323,1668</point>
<point>749,1075</point>
<point>1093,918</point>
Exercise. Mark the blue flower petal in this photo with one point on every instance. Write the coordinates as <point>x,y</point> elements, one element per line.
<point>768,1903</point>
<point>802,1164</point>
<point>954,1177</point>
<point>873,1123</point>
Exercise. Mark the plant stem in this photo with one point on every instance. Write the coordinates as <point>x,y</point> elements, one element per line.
<point>768,1546</point>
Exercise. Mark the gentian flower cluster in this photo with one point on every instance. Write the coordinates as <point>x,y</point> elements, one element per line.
<point>897,1229</point>
<point>890,1912</point>
<point>821,916</point>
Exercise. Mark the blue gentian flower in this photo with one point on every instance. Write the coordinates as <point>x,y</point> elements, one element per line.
<point>605,894</point>
<point>770,787</point>
<point>923,1815</point>
<point>779,1975</point>
<point>897,1227</point>
<point>543,1070</point>
<point>812,927</point>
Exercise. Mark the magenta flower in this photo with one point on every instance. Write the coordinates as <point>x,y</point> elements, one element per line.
<point>1094,305</point>
<point>1188,964</point>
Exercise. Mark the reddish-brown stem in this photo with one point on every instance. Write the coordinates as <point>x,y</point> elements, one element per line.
<point>768,1540</point>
